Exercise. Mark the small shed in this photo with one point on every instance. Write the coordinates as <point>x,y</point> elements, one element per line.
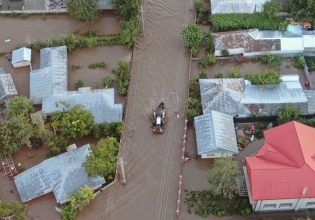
<point>7,87</point>
<point>21,57</point>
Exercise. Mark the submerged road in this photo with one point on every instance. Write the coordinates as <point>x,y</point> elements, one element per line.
<point>159,74</point>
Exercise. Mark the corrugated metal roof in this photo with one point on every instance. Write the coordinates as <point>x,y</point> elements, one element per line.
<point>310,94</point>
<point>236,6</point>
<point>223,95</point>
<point>52,78</point>
<point>99,101</point>
<point>7,86</point>
<point>22,54</point>
<point>63,175</point>
<point>215,133</point>
<point>288,91</point>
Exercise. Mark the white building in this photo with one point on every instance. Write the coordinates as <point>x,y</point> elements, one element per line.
<point>282,174</point>
<point>21,57</point>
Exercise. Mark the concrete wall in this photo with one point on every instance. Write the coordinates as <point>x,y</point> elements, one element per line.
<point>284,204</point>
<point>309,40</point>
<point>292,44</point>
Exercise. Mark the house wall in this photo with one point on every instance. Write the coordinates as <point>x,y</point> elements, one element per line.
<point>21,64</point>
<point>284,204</point>
<point>309,41</point>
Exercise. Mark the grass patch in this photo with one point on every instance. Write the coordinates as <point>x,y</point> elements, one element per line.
<point>100,64</point>
<point>75,67</point>
<point>232,22</point>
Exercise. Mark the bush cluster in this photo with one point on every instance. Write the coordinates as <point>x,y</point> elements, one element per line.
<point>264,77</point>
<point>232,22</point>
<point>122,72</point>
<point>270,59</point>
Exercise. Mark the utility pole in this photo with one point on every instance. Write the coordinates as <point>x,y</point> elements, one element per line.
<point>122,170</point>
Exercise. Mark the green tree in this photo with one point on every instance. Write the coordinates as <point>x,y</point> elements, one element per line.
<point>192,37</point>
<point>222,177</point>
<point>84,10</point>
<point>130,30</point>
<point>19,105</point>
<point>108,81</point>
<point>74,123</point>
<point>56,145</point>
<point>104,158</point>
<point>193,108</point>
<point>272,8</point>
<point>82,197</point>
<point>13,208</point>
<point>301,9</point>
<point>127,9</point>
<point>266,76</point>
<point>68,212</point>
<point>122,72</point>
<point>7,144</point>
<point>289,113</point>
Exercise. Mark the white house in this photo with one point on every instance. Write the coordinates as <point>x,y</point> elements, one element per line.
<point>21,57</point>
<point>215,135</point>
<point>282,174</point>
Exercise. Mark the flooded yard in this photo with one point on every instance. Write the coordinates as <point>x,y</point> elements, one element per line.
<point>246,65</point>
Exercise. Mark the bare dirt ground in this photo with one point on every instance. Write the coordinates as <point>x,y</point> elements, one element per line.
<point>160,73</point>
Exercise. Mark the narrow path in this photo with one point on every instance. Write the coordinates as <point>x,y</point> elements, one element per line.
<point>159,73</point>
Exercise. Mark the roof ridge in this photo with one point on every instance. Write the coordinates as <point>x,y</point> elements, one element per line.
<point>298,137</point>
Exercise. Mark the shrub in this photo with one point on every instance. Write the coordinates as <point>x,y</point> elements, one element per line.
<point>299,62</point>
<point>100,64</point>
<point>127,9</point>
<point>199,5</point>
<point>193,108</point>
<point>289,113</point>
<point>218,75</point>
<point>104,158</point>
<point>113,129</point>
<point>231,22</point>
<point>202,75</point>
<point>211,58</point>
<point>130,30</point>
<point>272,8</point>
<point>10,208</point>
<point>310,61</point>
<point>267,76</point>
<point>108,81</point>
<point>73,123</point>
<point>302,9</point>
<point>225,53</point>
<point>56,145</point>
<point>203,63</point>
<point>79,83</point>
<point>122,72</point>
<point>19,105</point>
<point>269,59</point>
<point>234,73</point>
<point>90,33</point>
<point>192,37</point>
<point>83,10</point>
<point>208,43</point>
<point>75,67</point>
<point>194,89</point>
<point>68,212</point>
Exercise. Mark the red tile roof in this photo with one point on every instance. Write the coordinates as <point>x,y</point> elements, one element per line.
<point>284,167</point>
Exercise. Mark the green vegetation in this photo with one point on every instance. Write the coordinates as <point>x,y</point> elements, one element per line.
<point>310,61</point>
<point>202,75</point>
<point>202,9</point>
<point>127,9</point>
<point>266,76</point>
<point>202,63</point>
<point>218,75</point>
<point>208,42</point>
<point>271,9</point>
<point>301,9</point>
<point>211,59</point>
<point>73,123</point>
<point>79,83</point>
<point>193,108</point>
<point>108,81</point>
<point>104,158</point>
<point>130,30</point>
<point>105,129</point>
<point>78,200</point>
<point>194,89</point>
<point>289,113</point>
<point>234,73</point>
<point>192,37</point>
<point>231,22</point>
<point>19,105</point>
<point>56,145</point>
<point>299,62</point>
<point>222,198</point>
<point>100,64</point>
<point>13,208</point>
<point>75,67</point>
<point>122,72</point>
<point>270,59</point>
<point>225,53</point>
<point>84,10</point>
<point>13,133</point>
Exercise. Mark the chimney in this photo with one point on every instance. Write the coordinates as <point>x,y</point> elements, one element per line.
<point>305,189</point>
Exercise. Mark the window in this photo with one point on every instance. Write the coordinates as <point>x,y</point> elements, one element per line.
<point>310,204</point>
<point>268,206</point>
<point>285,205</point>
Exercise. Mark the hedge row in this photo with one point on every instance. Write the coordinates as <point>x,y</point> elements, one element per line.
<point>231,22</point>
